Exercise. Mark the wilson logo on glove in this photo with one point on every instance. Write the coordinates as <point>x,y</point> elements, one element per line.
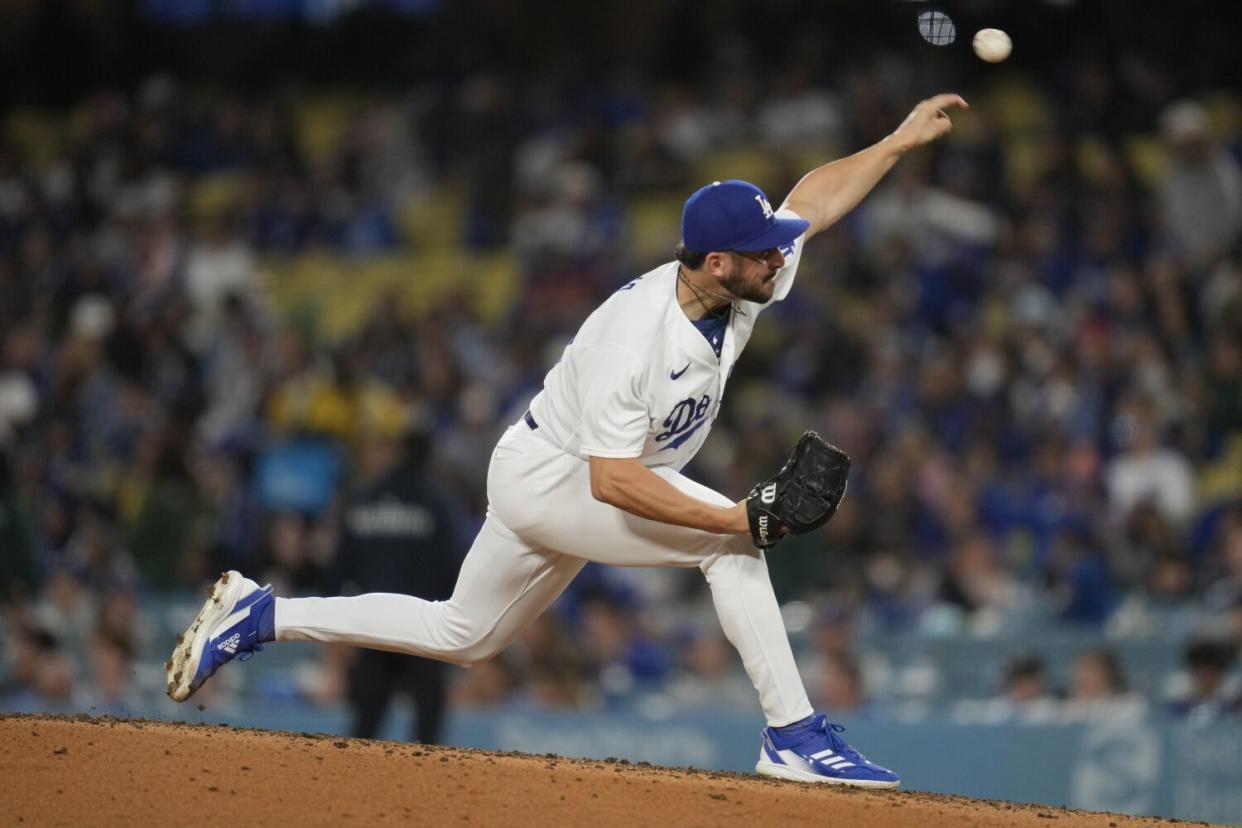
<point>802,496</point>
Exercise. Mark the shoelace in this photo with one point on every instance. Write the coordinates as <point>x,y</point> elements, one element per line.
<point>830,731</point>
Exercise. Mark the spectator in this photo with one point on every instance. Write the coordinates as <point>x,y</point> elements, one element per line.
<point>219,271</point>
<point>169,538</point>
<point>555,668</point>
<point>1224,384</point>
<point>291,566</point>
<point>839,688</point>
<point>400,534</point>
<point>111,660</point>
<point>67,612</point>
<point>40,675</point>
<point>1025,694</point>
<point>1226,591</point>
<point>1163,606</point>
<point>1209,692</point>
<point>627,659</point>
<point>1201,194</point>
<point>1080,585</point>
<point>1146,537</point>
<point>489,685</point>
<point>708,673</point>
<point>911,210</point>
<point>1025,680</point>
<point>1098,690</point>
<point>978,586</point>
<point>1145,470</point>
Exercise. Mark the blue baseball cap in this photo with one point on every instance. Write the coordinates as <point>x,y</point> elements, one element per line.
<point>735,215</point>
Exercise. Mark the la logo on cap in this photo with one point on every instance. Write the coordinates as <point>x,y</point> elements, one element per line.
<point>718,217</point>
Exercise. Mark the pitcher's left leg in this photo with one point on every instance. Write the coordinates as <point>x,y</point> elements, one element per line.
<point>751,619</point>
<point>736,572</point>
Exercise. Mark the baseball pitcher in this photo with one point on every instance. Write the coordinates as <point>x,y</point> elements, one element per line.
<point>592,472</point>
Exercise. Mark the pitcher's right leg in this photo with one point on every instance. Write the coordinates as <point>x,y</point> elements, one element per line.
<point>504,584</point>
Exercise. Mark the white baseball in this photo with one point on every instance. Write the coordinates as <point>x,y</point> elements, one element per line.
<point>992,45</point>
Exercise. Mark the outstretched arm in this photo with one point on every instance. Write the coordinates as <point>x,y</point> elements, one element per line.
<point>827,193</point>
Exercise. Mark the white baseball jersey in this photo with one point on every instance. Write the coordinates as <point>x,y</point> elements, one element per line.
<point>639,379</point>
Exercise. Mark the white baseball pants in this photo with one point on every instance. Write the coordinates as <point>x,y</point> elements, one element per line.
<point>542,527</point>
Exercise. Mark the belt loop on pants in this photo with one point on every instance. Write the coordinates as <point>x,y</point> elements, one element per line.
<point>530,421</point>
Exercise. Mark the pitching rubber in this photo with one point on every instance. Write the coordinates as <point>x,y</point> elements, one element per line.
<point>764,768</point>
<point>190,644</point>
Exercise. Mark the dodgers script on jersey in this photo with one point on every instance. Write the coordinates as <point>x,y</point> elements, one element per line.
<point>639,380</point>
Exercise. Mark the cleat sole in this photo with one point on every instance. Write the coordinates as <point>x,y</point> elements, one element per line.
<point>180,669</point>
<point>776,771</point>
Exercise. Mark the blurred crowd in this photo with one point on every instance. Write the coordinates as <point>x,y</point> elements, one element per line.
<point>1028,339</point>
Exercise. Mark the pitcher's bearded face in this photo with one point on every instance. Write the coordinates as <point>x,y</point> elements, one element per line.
<point>752,275</point>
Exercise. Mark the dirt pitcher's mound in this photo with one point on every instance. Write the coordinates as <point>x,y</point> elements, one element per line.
<point>83,771</point>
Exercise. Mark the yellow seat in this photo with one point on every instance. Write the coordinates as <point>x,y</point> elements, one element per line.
<point>1148,157</point>
<point>433,220</point>
<point>338,294</point>
<point>495,285</point>
<point>216,195</point>
<point>320,123</point>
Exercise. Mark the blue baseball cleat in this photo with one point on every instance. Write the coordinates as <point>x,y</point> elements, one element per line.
<point>811,751</point>
<point>235,621</point>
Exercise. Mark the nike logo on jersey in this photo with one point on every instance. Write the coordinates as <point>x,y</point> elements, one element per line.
<point>677,374</point>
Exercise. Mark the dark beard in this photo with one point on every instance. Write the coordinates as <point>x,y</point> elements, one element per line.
<point>736,284</point>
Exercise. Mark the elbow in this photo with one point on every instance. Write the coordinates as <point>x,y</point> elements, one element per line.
<point>601,490</point>
<point>603,483</point>
<point>612,480</point>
